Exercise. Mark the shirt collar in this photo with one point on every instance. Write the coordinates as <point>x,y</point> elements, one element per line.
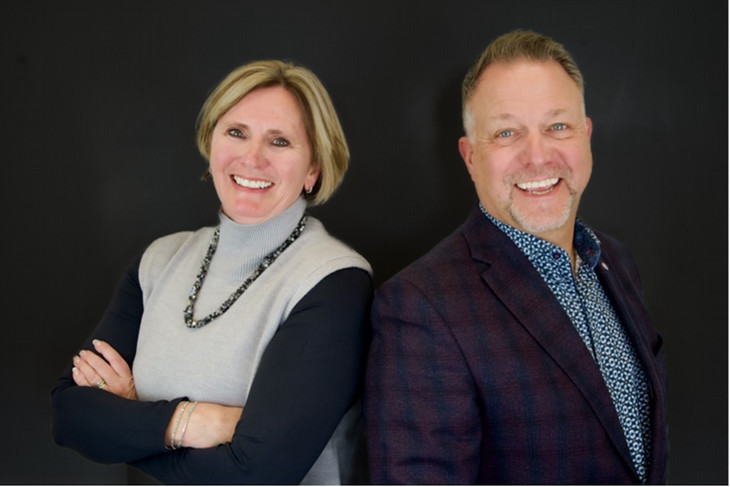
<point>585,240</point>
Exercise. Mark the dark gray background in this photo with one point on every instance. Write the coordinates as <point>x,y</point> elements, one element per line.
<point>98,103</point>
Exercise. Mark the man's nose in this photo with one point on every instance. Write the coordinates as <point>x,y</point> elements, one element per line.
<point>536,150</point>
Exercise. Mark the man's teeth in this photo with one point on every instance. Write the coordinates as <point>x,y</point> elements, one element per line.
<point>538,185</point>
<point>247,183</point>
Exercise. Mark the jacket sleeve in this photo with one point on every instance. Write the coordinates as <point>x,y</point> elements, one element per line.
<point>99,425</point>
<point>422,420</point>
<point>308,378</point>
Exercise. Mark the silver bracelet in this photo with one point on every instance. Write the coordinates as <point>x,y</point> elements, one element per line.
<point>185,426</point>
<point>177,423</point>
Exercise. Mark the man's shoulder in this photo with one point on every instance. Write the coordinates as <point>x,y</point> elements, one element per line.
<point>617,257</point>
<point>440,258</point>
<point>612,249</point>
<point>447,263</point>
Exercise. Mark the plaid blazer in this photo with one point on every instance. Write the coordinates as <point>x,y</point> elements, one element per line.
<point>476,375</point>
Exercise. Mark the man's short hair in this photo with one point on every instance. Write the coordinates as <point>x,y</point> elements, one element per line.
<point>514,46</point>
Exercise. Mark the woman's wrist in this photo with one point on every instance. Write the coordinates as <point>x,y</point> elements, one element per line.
<point>179,424</point>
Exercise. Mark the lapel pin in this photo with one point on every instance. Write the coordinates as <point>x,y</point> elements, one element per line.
<point>604,265</point>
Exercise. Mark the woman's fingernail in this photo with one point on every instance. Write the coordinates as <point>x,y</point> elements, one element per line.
<point>75,371</point>
<point>96,342</point>
<point>82,353</point>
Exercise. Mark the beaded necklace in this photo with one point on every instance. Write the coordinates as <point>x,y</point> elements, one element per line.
<point>198,284</point>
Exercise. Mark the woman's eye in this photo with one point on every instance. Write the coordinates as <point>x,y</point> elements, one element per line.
<point>279,142</point>
<point>235,133</point>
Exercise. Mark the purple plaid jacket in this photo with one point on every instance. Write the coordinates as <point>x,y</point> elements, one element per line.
<point>477,376</point>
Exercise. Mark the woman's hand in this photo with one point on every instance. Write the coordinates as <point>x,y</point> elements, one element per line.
<point>204,425</point>
<point>111,373</point>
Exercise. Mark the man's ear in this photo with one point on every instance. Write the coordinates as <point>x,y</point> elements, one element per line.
<point>466,151</point>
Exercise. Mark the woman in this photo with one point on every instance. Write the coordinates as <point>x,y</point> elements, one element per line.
<point>247,340</point>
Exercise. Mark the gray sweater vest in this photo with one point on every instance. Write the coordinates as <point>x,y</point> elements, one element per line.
<point>217,363</point>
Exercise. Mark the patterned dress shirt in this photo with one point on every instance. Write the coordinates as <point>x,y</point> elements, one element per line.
<point>582,297</point>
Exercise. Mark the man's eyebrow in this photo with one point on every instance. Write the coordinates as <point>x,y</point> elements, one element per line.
<point>556,111</point>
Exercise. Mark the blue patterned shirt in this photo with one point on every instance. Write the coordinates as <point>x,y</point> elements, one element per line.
<point>591,312</point>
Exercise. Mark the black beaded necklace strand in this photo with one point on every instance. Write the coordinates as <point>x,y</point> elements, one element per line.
<point>268,260</point>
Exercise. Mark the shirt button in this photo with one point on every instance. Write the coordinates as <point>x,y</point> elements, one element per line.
<point>556,255</point>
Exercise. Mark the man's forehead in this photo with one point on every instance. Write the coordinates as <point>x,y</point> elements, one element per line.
<point>505,116</point>
<point>540,87</point>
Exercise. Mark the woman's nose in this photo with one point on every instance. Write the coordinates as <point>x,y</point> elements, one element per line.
<point>254,154</point>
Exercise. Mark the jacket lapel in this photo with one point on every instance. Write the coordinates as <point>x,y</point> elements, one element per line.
<point>512,278</point>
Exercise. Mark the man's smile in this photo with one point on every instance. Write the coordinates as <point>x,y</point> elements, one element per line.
<point>539,188</point>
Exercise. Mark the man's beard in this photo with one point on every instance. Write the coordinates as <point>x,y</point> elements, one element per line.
<point>538,220</point>
<point>538,223</point>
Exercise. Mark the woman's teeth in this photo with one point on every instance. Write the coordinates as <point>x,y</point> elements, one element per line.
<point>248,183</point>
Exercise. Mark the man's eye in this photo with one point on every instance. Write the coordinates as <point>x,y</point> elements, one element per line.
<point>505,133</point>
<point>235,133</point>
<point>557,127</point>
<point>279,142</point>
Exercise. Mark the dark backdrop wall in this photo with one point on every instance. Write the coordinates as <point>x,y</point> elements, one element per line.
<point>98,103</point>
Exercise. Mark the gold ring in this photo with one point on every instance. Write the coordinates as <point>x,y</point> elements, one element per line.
<point>101,384</point>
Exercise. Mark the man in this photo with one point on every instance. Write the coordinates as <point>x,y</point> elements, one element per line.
<point>518,350</point>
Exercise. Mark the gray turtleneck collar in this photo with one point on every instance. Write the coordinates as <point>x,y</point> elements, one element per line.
<point>241,247</point>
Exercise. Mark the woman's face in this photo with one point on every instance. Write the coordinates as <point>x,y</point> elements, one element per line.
<point>260,158</point>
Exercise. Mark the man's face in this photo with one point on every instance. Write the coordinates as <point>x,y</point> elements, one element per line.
<point>529,152</point>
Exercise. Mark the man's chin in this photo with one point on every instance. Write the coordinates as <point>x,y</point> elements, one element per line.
<point>538,224</point>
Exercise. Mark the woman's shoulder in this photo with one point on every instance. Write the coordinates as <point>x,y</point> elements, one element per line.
<point>162,250</point>
<point>172,243</point>
<point>317,256</point>
<point>325,249</point>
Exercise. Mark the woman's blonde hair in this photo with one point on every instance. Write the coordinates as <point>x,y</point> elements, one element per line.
<point>326,138</point>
